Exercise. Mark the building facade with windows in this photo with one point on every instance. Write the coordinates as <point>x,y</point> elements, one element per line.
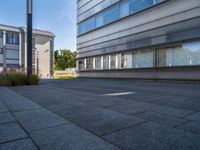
<point>13,52</point>
<point>148,39</point>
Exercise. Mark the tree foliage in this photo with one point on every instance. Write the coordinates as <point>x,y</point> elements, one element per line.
<point>64,59</point>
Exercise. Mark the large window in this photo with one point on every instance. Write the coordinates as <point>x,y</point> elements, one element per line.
<point>113,61</point>
<point>184,55</point>
<point>81,65</point>
<point>88,25</point>
<point>107,16</point>
<point>123,61</point>
<point>143,58</point>
<point>131,6</point>
<point>12,38</point>
<point>89,63</point>
<point>120,10</point>
<point>106,62</point>
<point>98,63</point>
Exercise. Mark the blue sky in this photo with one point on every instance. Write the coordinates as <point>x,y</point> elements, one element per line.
<point>57,16</point>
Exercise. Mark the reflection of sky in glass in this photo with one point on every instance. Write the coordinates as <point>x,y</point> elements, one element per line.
<point>194,46</point>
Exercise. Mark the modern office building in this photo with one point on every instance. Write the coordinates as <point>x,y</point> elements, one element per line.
<point>13,52</point>
<point>148,39</point>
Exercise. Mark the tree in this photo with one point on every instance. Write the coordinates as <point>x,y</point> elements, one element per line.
<point>64,59</point>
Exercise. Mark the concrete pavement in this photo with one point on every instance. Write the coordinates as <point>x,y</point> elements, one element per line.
<point>100,114</point>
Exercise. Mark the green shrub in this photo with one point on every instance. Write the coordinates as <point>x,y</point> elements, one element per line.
<point>18,78</point>
<point>33,80</point>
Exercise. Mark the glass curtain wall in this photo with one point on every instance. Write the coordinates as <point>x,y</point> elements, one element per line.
<point>106,62</point>
<point>113,61</point>
<point>81,65</point>
<point>98,63</point>
<point>186,55</point>
<point>89,63</point>
<point>143,58</point>
<point>120,10</point>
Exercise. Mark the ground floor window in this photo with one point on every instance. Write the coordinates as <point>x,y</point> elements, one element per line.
<point>123,61</point>
<point>89,63</point>
<point>98,63</point>
<point>113,61</point>
<point>81,65</point>
<point>106,62</point>
<point>143,58</point>
<point>185,54</point>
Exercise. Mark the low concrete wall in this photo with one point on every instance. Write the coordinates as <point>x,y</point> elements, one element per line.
<point>181,73</point>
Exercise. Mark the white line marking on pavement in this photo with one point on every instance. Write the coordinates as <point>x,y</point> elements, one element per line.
<point>119,94</point>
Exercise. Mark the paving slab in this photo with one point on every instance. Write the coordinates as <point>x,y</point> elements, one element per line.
<point>3,108</point>
<point>129,109</point>
<point>8,95</point>
<point>98,120</point>
<point>6,117</point>
<point>24,144</point>
<point>39,119</point>
<point>108,101</point>
<point>22,106</point>
<point>195,116</point>
<point>152,136</point>
<point>161,118</point>
<point>10,132</point>
<point>180,104</point>
<point>192,126</point>
<point>69,137</point>
<point>168,110</point>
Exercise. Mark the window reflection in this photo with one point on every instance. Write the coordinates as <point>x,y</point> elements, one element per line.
<point>186,54</point>
<point>106,62</point>
<point>98,63</point>
<point>120,10</point>
<point>143,58</point>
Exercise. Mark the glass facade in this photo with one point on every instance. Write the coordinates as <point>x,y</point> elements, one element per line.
<point>87,25</point>
<point>143,58</point>
<point>103,5</point>
<point>120,10</point>
<point>98,63</point>
<point>89,63</point>
<point>106,62</point>
<point>107,16</point>
<point>81,65</point>
<point>113,61</point>
<point>185,54</point>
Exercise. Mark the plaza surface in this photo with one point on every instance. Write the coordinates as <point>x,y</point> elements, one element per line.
<point>100,114</point>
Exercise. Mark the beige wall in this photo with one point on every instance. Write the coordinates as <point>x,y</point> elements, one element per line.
<point>42,45</point>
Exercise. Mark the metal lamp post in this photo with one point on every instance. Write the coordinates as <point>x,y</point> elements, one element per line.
<point>4,51</point>
<point>29,36</point>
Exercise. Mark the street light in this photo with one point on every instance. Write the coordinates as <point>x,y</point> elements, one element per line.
<point>29,36</point>
<point>4,51</point>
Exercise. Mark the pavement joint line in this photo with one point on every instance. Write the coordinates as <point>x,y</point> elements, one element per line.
<point>73,124</point>
<point>125,127</point>
<point>85,129</point>
<point>192,113</point>
<point>49,127</point>
<point>10,141</point>
<point>27,110</point>
<point>13,114</point>
<point>177,126</point>
<point>10,122</point>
